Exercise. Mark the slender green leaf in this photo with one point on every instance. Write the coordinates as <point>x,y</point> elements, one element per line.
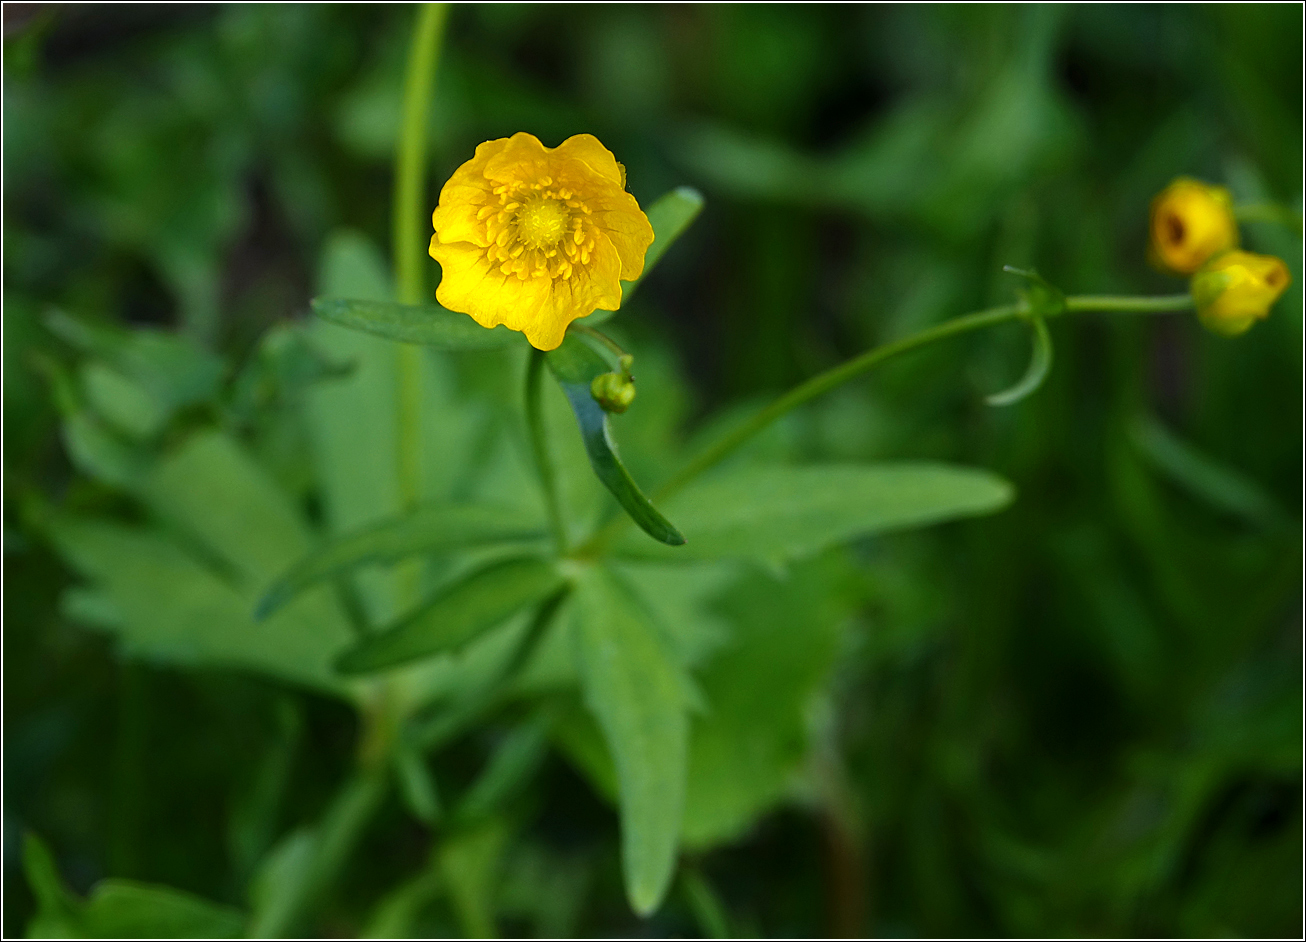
<point>120,909</point>
<point>637,693</point>
<point>416,784</point>
<point>670,215</point>
<point>456,615</point>
<point>1222,487</point>
<point>575,364</point>
<point>432,529</point>
<point>426,324</point>
<point>513,762</point>
<point>1040,364</point>
<point>470,862</point>
<point>774,513</point>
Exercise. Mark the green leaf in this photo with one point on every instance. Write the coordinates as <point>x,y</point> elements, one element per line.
<point>575,364</point>
<point>169,368</point>
<point>636,691</point>
<point>416,784</point>
<point>174,610</point>
<point>426,324</point>
<point>120,909</point>
<point>1040,364</point>
<point>1224,488</point>
<point>745,751</point>
<point>670,215</point>
<point>470,862</point>
<point>513,762</point>
<point>774,513</point>
<point>456,615</point>
<point>433,529</point>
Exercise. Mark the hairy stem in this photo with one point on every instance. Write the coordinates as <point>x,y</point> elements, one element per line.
<point>1127,304</point>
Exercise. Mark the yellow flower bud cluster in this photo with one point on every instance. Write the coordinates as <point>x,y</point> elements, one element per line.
<point>1194,232</point>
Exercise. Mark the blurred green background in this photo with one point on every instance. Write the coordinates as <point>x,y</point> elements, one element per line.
<point>1081,716</point>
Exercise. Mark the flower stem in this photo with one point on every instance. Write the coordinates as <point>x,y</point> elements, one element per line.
<point>1128,304</point>
<point>1269,212</point>
<point>540,448</point>
<point>409,210</point>
<point>824,382</point>
<point>835,376</point>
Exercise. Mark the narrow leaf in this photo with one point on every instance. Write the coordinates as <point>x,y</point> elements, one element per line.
<point>456,615</point>
<point>776,512</point>
<point>637,694</point>
<point>575,364</point>
<point>426,324</point>
<point>1040,363</point>
<point>431,529</point>
<point>670,215</point>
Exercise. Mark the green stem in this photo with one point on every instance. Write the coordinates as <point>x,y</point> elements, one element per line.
<point>409,213</point>
<point>1269,212</point>
<point>824,382</point>
<point>836,376</point>
<point>1127,304</point>
<point>540,449</point>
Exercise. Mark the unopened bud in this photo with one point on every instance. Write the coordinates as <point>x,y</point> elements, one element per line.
<point>1237,289</point>
<point>1192,222</point>
<point>613,391</point>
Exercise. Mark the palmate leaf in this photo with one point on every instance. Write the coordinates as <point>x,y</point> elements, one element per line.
<point>432,529</point>
<point>637,692</point>
<point>575,364</point>
<point>457,614</point>
<point>779,512</point>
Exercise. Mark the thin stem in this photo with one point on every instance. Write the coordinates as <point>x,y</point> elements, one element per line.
<point>540,449</point>
<point>836,376</point>
<point>1126,304</point>
<point>824,382</point>
<point>1269,212</point>
<point>409,212</point>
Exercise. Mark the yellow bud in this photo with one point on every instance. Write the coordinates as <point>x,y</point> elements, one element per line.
<point>1192,222</point>
<point>1236,289</point>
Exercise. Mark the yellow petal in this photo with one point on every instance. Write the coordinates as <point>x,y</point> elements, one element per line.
<point>618,216</point>
<point>454,220</point>
<point>588,148</point>
<point>522,160</point>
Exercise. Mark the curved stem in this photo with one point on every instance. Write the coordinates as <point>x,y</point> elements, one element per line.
<point>1128,304</point>
<point>835,376</point>
<point>540,448</point>
<point>824,382</point>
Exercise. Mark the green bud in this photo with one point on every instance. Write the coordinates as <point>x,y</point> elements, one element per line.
<point>613,391</point>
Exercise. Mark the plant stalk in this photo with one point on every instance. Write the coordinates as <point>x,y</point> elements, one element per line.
<point>835,376</point>
<point>540,449</point>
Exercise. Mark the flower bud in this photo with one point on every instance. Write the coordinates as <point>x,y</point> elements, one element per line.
<point>1192,222</point>
<point>1236,289</point>
<point>613,391</point>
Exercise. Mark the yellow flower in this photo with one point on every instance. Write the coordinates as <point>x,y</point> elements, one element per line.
<point>1191,223</point>
<point>534,237</point>
<point>1237,289</point>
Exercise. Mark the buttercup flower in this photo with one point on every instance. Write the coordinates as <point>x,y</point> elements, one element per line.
<point>1237,289</point>
<point>534,237</point>
<point>1191,223</point>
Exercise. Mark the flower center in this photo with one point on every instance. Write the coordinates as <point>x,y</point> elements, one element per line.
<point>541,223</point>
